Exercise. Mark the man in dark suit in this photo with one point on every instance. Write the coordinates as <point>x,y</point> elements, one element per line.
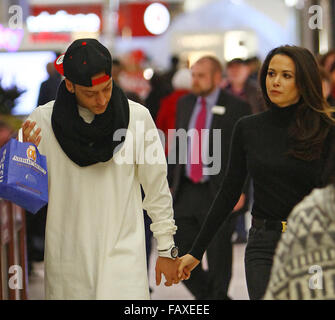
<point>194,183</point>
<point>49,87</point>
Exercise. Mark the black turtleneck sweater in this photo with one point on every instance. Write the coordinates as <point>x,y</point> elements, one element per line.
<point>259,148</point>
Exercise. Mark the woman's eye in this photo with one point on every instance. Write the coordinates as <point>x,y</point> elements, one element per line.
<point>287,76</point>
<point>270,73</point>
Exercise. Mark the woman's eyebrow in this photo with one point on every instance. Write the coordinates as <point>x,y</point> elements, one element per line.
<point>281,70</point>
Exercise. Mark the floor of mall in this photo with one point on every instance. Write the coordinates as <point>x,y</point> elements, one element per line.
<point>237,289</point>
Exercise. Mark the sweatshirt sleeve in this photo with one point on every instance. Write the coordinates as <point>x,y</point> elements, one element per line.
<point>228,194</point>
<point>152,174</point>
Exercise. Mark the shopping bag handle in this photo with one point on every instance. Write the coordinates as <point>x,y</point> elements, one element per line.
<point>20,135</point>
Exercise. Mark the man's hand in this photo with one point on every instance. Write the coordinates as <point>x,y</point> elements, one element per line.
<point>28,136</point>
<point>169,268</point>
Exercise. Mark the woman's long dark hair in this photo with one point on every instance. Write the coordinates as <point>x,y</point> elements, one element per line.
<point>314,115</point>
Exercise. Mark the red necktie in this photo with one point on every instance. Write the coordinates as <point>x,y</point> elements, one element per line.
<point>196,158</point>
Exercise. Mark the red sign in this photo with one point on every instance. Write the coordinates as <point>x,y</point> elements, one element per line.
<point>50,36</point>
<point>131,17</point>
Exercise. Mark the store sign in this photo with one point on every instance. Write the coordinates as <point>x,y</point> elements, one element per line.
<point>199,41</point>
<point>142,18</point>
<point>10,39</point>
<point>44,37</point>
<point>156,18</point>
<point>62,21</point>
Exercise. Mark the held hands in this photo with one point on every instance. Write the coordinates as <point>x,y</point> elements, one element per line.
<point>175,270</point>
<point>29,135</point>
<point>186,265</point>
<point>169,268</point>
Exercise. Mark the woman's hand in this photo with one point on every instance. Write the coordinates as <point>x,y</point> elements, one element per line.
<point>239,205</point>
<point>187,264</point>
<point>28,133</point>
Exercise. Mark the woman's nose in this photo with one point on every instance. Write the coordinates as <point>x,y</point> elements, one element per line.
<point>276,81</point>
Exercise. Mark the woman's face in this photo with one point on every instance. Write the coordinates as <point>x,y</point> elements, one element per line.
<point>281,81</point>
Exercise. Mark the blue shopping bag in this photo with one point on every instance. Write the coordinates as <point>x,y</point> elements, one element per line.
<point>23,175</point>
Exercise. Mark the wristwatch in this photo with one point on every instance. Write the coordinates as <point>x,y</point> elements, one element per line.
<point>169,253</point>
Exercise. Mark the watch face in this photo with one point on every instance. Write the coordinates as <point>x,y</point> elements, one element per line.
<point>174,252</point>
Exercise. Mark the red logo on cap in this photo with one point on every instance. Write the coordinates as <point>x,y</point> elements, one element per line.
<point>84,43</point>
<point>59,64</point>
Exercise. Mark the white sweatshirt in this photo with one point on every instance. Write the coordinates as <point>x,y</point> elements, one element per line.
<point>95,240</point>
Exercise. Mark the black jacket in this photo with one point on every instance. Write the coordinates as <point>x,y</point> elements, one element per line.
<point>235,108</point>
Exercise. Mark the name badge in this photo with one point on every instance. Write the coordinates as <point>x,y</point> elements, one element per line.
<point>219,110</point>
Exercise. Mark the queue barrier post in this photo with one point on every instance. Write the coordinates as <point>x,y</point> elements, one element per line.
<point>13,252</point>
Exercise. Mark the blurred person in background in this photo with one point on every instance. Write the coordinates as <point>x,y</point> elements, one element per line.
<point>168,75</point>
<point>284,150</point>
<point>332,77</point>
<point>117,68</point>
<point>166,116</point>
<point>193,189</point>
<point>327,86</point>
<point>327,59</point>
<point>241,85</point>
<point>159,88</point>
<point>131,77</point>
<point>49,87</point>
<point>254,64</point>
<point>6,133</point>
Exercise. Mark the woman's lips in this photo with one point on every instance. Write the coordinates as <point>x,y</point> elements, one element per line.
<point>275,92</point>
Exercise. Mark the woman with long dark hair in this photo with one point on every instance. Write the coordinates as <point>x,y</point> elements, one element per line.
<point>284,150</point>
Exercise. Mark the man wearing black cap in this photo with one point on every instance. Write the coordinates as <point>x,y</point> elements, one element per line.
<point>97,159</point>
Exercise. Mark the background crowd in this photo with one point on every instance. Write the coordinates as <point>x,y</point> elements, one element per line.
<point>237,86</point>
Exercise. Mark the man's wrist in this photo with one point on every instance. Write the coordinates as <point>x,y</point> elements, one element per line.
<point>171,253</point>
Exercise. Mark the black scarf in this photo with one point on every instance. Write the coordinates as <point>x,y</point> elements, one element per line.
<point>89,143</point>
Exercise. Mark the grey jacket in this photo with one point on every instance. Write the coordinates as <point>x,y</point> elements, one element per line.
<point>304,263</point>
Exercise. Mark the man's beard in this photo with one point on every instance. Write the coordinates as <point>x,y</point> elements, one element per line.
<point>202,92</point>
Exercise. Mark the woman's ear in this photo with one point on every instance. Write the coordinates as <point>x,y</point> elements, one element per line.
<point>69,86</point>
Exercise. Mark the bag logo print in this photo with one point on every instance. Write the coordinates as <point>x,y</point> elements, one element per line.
<point>31,153</point>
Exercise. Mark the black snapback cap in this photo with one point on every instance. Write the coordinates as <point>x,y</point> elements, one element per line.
<point>83,59</point>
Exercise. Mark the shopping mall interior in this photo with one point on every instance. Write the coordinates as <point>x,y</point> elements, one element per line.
<point>146,39</point>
